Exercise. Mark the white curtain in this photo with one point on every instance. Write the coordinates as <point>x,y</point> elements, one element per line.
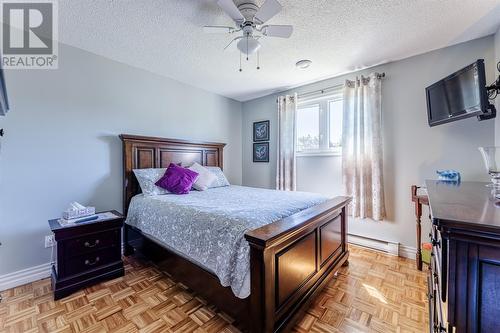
<point>286,169</point>
<point>362,147</point>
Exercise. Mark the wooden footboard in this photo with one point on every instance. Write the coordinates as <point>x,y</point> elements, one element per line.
<point>291,260</point>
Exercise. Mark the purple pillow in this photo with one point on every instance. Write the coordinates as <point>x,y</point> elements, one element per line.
<point>177,179</point>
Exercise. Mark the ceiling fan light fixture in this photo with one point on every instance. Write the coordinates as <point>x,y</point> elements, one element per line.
<point>250,24</point>
<point>248,45</point>
<point>303,64</point>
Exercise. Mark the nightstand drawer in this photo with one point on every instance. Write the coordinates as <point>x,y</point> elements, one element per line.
<point>92,242</point>
<point>92,260</point>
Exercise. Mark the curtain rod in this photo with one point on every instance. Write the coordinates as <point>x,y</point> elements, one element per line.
<point>322,91</point>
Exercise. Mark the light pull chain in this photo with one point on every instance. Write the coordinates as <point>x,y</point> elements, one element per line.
<point>241,70</point>
<point>258,60</point>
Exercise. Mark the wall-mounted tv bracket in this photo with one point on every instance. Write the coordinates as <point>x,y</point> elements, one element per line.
<point>493,91</point>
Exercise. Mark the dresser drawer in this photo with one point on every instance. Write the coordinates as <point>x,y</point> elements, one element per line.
<point>92,260</point>
<point>432,302</point>
<point>440,251</point>
<point>439,324</point>
<point>92,242</point>
<point>436,272</point>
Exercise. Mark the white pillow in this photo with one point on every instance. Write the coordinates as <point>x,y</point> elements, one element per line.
<point>205,177</point>
<point>221,179</point>
<point>147,179</point>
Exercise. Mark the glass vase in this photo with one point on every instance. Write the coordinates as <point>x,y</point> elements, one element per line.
<point>491,158</point>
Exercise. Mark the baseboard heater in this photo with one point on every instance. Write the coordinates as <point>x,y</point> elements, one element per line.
<point>392,248</point>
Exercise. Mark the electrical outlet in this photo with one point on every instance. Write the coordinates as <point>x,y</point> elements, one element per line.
<point>49,241</point>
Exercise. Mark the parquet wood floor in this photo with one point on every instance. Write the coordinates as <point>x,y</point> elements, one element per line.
<point>375,293</point>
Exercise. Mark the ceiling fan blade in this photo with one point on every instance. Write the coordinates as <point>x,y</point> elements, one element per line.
<point>231,10</point>
<point>282,31</point>
<point>210,29</point>
<point>268,10</point>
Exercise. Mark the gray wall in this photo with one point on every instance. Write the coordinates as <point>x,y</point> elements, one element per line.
<point>412,150</point>
<point>61,141</point>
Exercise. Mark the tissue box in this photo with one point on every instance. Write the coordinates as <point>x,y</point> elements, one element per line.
<point>76,213</point>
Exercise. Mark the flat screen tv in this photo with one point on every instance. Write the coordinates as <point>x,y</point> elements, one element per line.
<point>460,95</point>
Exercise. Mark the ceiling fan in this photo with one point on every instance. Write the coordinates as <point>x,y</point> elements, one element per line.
<point>250,20</point>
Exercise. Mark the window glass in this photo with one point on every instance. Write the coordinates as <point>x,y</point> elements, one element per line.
<point>308,128</point>
<point>319,125</point>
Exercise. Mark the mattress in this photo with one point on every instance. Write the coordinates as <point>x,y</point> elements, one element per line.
<point>208,227</point>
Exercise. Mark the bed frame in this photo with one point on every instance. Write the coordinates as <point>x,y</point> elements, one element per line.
<point>290,259</point>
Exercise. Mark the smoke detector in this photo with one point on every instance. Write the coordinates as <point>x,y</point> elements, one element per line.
<point>303,64</point>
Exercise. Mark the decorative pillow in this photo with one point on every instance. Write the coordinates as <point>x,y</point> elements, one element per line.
<point>205,178</point>
<point>221,178</point>
<point>147,179</point>
<point>177,179</point>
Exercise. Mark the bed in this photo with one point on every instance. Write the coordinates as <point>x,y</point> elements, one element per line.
<point>259,255</point>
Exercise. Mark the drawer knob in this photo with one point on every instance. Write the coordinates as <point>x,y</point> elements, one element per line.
<point>90,263</point>
<point>87,244</point>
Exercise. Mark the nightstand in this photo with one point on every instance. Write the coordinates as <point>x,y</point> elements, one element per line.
<point>86,253</point>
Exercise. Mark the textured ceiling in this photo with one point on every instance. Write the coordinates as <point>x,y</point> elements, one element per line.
<point>166,37</point>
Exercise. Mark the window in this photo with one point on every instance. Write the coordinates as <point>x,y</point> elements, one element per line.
<point>319,125</point>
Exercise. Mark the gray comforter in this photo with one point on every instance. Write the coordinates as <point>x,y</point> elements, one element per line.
<point>208,227</point>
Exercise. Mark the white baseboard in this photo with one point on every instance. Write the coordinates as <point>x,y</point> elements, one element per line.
<point>392,248</point>
<point>407,252</point>
<point>24,276</point>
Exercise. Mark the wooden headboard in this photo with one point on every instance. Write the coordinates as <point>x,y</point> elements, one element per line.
<point>141,152</point>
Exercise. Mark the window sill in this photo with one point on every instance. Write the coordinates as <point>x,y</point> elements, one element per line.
<point>318,153</point>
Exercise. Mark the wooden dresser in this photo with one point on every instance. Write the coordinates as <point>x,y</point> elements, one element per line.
<point>464,275</point>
